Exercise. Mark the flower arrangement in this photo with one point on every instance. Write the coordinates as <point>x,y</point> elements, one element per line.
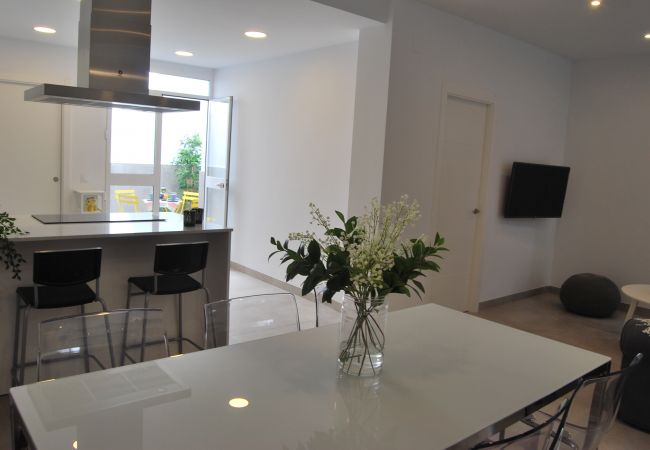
<point>366,259</point>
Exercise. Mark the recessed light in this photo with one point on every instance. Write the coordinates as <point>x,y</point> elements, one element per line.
<point>46,30</point>
<point>183,53</point>
<point>255,34</point>
<point>238,402</point>
<point>595,3</point>
<point>647,36</point>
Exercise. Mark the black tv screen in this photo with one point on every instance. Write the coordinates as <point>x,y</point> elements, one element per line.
<point>536,190</point>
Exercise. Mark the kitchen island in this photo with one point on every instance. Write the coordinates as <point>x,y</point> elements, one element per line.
<point>128,250</point>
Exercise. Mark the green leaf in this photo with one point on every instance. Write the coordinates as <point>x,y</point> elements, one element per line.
<point>313,251</point>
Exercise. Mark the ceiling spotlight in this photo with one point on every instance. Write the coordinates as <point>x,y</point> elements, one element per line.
<point>238,402</point>
<point>46,30</point>
<point>183,53</point>
<point>255,34</point>
<point>595,3</point>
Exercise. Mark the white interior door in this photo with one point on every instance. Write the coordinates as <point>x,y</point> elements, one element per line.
<point>459,172</point>
<point>31,153</point>
<point>218,161</point>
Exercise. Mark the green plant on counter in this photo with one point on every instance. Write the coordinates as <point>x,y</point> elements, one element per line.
<point>9,256</point>
<point>188,163</point>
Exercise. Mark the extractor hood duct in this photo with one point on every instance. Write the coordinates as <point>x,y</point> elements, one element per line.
<point>112,61</point>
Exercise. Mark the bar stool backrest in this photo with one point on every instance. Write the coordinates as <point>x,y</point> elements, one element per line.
<point>180,259</point>
<point>67,267</point>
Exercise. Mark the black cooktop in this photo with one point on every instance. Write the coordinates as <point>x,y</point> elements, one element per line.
<point>97,218</point>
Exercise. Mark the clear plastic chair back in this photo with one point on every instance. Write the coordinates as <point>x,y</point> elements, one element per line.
<point>593,411</point>
<point>543,437</point>
<point>249,318</point>
<point>85,343</point>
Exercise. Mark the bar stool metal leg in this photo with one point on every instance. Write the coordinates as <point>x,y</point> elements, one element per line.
<point>14,365</point>
<point>85,339</point>
<point>126,325</point>
<point>205,331</point>
<point>23,345</point>
<point>144,326</point>
<point>180,323</point>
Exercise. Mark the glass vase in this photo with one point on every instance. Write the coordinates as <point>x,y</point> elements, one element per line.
<point>361,336</point>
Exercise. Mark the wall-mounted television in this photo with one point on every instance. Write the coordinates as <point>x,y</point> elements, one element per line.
<point>536,190</point>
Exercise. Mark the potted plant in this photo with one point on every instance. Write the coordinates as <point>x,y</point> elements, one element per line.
<point>188,163</point>
<point>9,256</point>
<point>366,259</point>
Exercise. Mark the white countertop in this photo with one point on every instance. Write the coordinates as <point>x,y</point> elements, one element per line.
<point>447,376</point>
<point>173,224</point>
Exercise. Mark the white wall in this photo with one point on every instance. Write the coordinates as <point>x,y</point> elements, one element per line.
<point>370,108</point>
<point>292,137</point>
<point>37,63</point>
<point>42,63</point>
<point>373,9</point>
<point>607,214</point>
<point>531,89</point>
<point>84,155</point>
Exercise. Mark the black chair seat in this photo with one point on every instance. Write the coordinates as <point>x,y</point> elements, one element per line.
<point>167,284</point>
<point>635,405</point>
<point>57,296</point>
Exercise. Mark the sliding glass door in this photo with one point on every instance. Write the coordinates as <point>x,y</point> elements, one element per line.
<point>172,161</point>
<point>183,149</point>
<point>133,169</point>
<point>217,165</point>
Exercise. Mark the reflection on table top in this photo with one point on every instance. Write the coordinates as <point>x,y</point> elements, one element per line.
<point>447,376</point>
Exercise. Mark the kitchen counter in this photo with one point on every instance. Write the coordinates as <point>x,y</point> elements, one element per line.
<point>172,224</point>
<point>128,251</point>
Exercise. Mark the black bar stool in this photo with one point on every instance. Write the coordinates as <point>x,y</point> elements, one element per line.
<point>173,264</point>
<point>60,281</point>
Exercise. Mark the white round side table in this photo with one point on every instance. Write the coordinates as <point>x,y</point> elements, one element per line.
<point>637,293</point>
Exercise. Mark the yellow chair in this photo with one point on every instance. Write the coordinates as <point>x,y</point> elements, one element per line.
<point>188,196</point>
<point>127,197</point>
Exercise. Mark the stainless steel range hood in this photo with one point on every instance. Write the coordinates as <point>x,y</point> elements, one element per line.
<point>113,60</point>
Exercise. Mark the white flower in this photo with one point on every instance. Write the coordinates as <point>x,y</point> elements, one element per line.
<point>373,248</point>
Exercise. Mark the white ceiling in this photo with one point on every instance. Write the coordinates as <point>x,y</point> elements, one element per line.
<point>567,27</point>
<point>212,29</point>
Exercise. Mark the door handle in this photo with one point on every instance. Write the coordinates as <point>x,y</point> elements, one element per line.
<point>476,211</point>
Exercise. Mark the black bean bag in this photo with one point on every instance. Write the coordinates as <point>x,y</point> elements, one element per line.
<point>590,295</point>
<point>635,404</point>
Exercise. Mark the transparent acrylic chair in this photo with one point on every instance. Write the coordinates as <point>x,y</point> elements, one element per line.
<point>593,410</point>
<point>243,319</point>
<point>544,436</point>
<point>85,343</point>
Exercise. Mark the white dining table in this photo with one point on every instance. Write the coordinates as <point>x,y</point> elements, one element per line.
<point>450,379</point>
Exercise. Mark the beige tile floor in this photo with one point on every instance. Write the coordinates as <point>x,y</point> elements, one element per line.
<point>542,315</point>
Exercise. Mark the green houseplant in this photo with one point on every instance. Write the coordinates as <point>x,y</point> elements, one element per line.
<point>9,256</point>
<point>188,163</point>
<point>366,259</point>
